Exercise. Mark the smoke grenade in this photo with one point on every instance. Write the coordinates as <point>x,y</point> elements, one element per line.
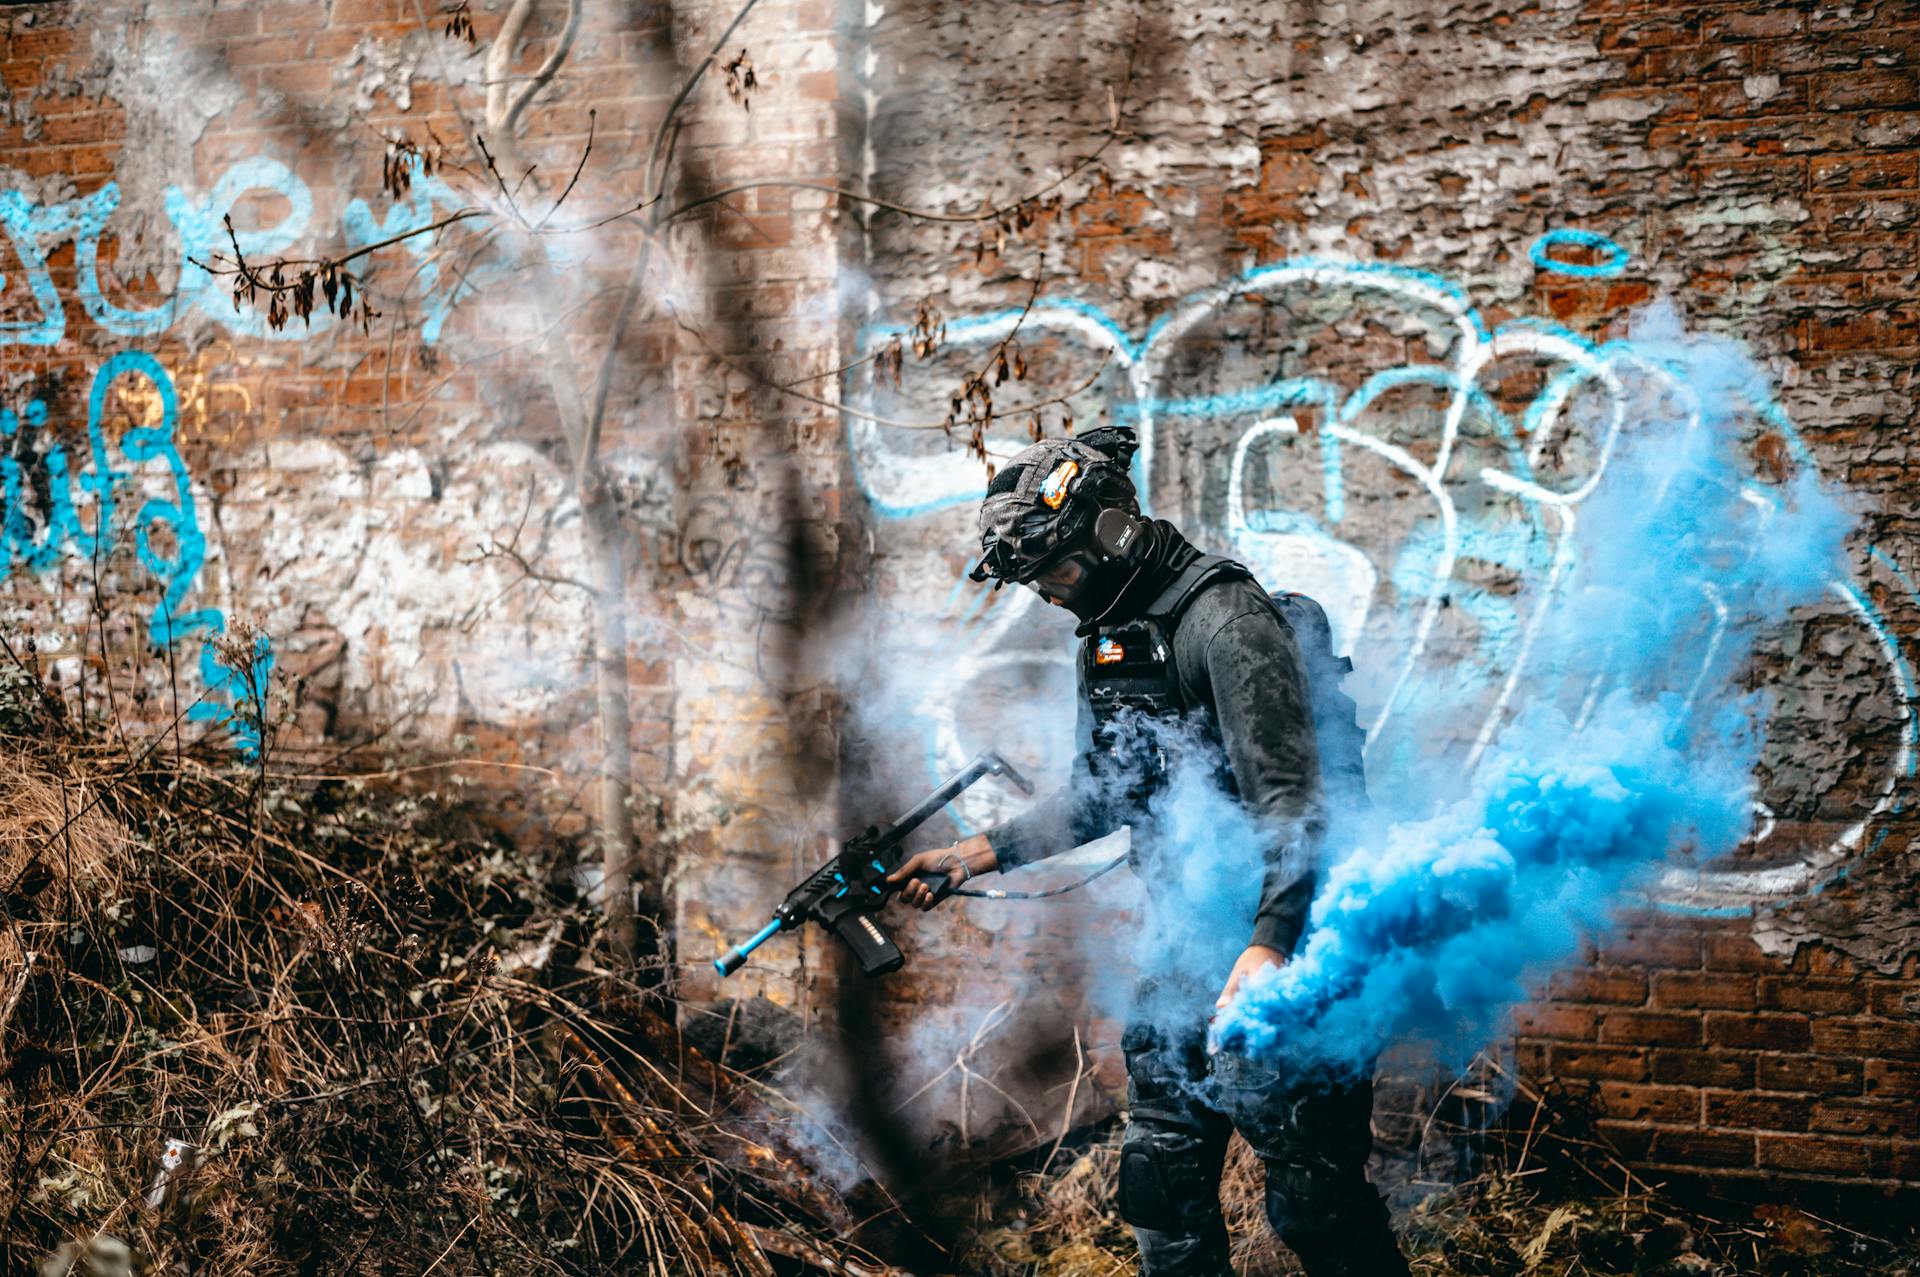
<point>1629,743</point>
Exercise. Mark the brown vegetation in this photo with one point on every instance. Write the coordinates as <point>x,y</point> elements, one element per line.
<point>270,1024</point>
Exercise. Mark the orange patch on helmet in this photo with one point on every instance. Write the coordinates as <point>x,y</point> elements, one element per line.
<point>1053,490</point>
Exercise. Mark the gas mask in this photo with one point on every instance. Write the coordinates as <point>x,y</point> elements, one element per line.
<point>1088,577</point>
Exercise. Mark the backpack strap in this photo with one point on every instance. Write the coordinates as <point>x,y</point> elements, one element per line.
<point>1171,603</point>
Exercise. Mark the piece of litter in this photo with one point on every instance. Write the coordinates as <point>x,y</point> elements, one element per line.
<point>176,1159</point>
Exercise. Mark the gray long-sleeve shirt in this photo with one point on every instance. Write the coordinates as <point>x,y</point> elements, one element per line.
<point>1237,660</point>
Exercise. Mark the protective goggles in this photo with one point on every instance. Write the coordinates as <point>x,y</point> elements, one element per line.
<point>1039,538</point>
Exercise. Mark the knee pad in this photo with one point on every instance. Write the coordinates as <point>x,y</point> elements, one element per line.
<point>1146,1182</point>
<point>1170,1171</point>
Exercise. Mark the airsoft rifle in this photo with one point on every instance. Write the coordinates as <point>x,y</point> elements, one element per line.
<point>844,894</point>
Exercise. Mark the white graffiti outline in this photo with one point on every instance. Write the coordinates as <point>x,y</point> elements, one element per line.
<point>939,482</point>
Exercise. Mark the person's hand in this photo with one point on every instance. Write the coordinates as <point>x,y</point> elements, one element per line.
<point>1255,958</point>
<point>962,861</point>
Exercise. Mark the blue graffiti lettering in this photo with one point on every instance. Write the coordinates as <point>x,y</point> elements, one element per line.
<point>199,223</point>
<point>1613,260</point>
<point>167,537</point>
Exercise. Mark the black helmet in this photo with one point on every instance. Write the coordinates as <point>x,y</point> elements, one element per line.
<point>1046,500</point>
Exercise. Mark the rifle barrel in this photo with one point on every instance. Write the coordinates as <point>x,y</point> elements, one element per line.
<point>733,959</point>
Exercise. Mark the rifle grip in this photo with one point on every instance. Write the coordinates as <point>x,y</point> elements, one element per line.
<point>938,880</point>
<point>871,945</point>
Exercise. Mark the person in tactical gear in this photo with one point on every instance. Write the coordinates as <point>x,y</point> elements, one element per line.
<point>1174,637</point>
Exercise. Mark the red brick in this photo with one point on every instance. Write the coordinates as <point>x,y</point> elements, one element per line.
<point>37,46</point>
<point>1651,1028</point>
<point>229,21</point>
<point>89,161</point>
<point>1821,997</point>
<point>1766,24</point>
<point>1758,1110</point>
<point>1827,1154</point>
<point>818,86</point>
<point>1808,1073</point>
<point>1621,986</point>
<point>1737,952</point>
<point>1702,1148</point>
<point>1855,89</point>
<point>1885,19</point>
<point>268,50</point>
<point>1651,33</point>
<point>1532,1060</point>
<point>300,16</point>
<point>1614,1063</point>
<point>1867,1038</point>
<point>1551,1020</point>
<point>1886,329</point>
<point>1702,989</point>
<point>1866,1117</point>
<point>1906,1161</point>
<point>1864,212</point>
<point>1862,172</point>
<point>1632,1140</point>
<point>364,12</point>
<point>1704,1068</point>
<point>1686,63</point>
<point>1892,1077</point>
<point>1662,942</point>
<point>1893,999</point>
<point>1633,1101</point>
<point>1758,1032</point>
<point>1730,99</point>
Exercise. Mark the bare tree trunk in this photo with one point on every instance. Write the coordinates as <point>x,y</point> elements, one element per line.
<point>580,424</point>
<point>600,528</point>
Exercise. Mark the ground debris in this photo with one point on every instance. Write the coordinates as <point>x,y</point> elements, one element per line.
<point>257,1022</point>
<point>1527,1209</point>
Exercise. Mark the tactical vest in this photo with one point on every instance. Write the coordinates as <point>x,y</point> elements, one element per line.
<point>1129,667</point>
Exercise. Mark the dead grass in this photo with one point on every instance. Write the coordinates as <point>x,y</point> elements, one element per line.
<point>1547,1198</point>
<point>384,1037</point>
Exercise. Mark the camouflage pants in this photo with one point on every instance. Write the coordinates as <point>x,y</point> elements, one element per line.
<point>1314,1142</point>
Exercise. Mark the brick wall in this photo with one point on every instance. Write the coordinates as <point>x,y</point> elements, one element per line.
<point>1704,1052</point>
<point>1751,163</point>
<point>346,485</point>
<point>797,626</point>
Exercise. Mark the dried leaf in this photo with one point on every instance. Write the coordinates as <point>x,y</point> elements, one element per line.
<point>1536,1249</point>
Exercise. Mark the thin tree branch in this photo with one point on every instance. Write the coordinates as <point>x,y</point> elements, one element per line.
<point>686,91</point>
<point>545,74</point>
<point>574,180</point>
<point>252,274</point>
<point>919,214</point>
<point>1012,411</point>
<point>500,550</point>
<point>500,60</point>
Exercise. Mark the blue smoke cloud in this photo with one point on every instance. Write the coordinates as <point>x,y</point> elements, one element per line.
<point>1469,890</point>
